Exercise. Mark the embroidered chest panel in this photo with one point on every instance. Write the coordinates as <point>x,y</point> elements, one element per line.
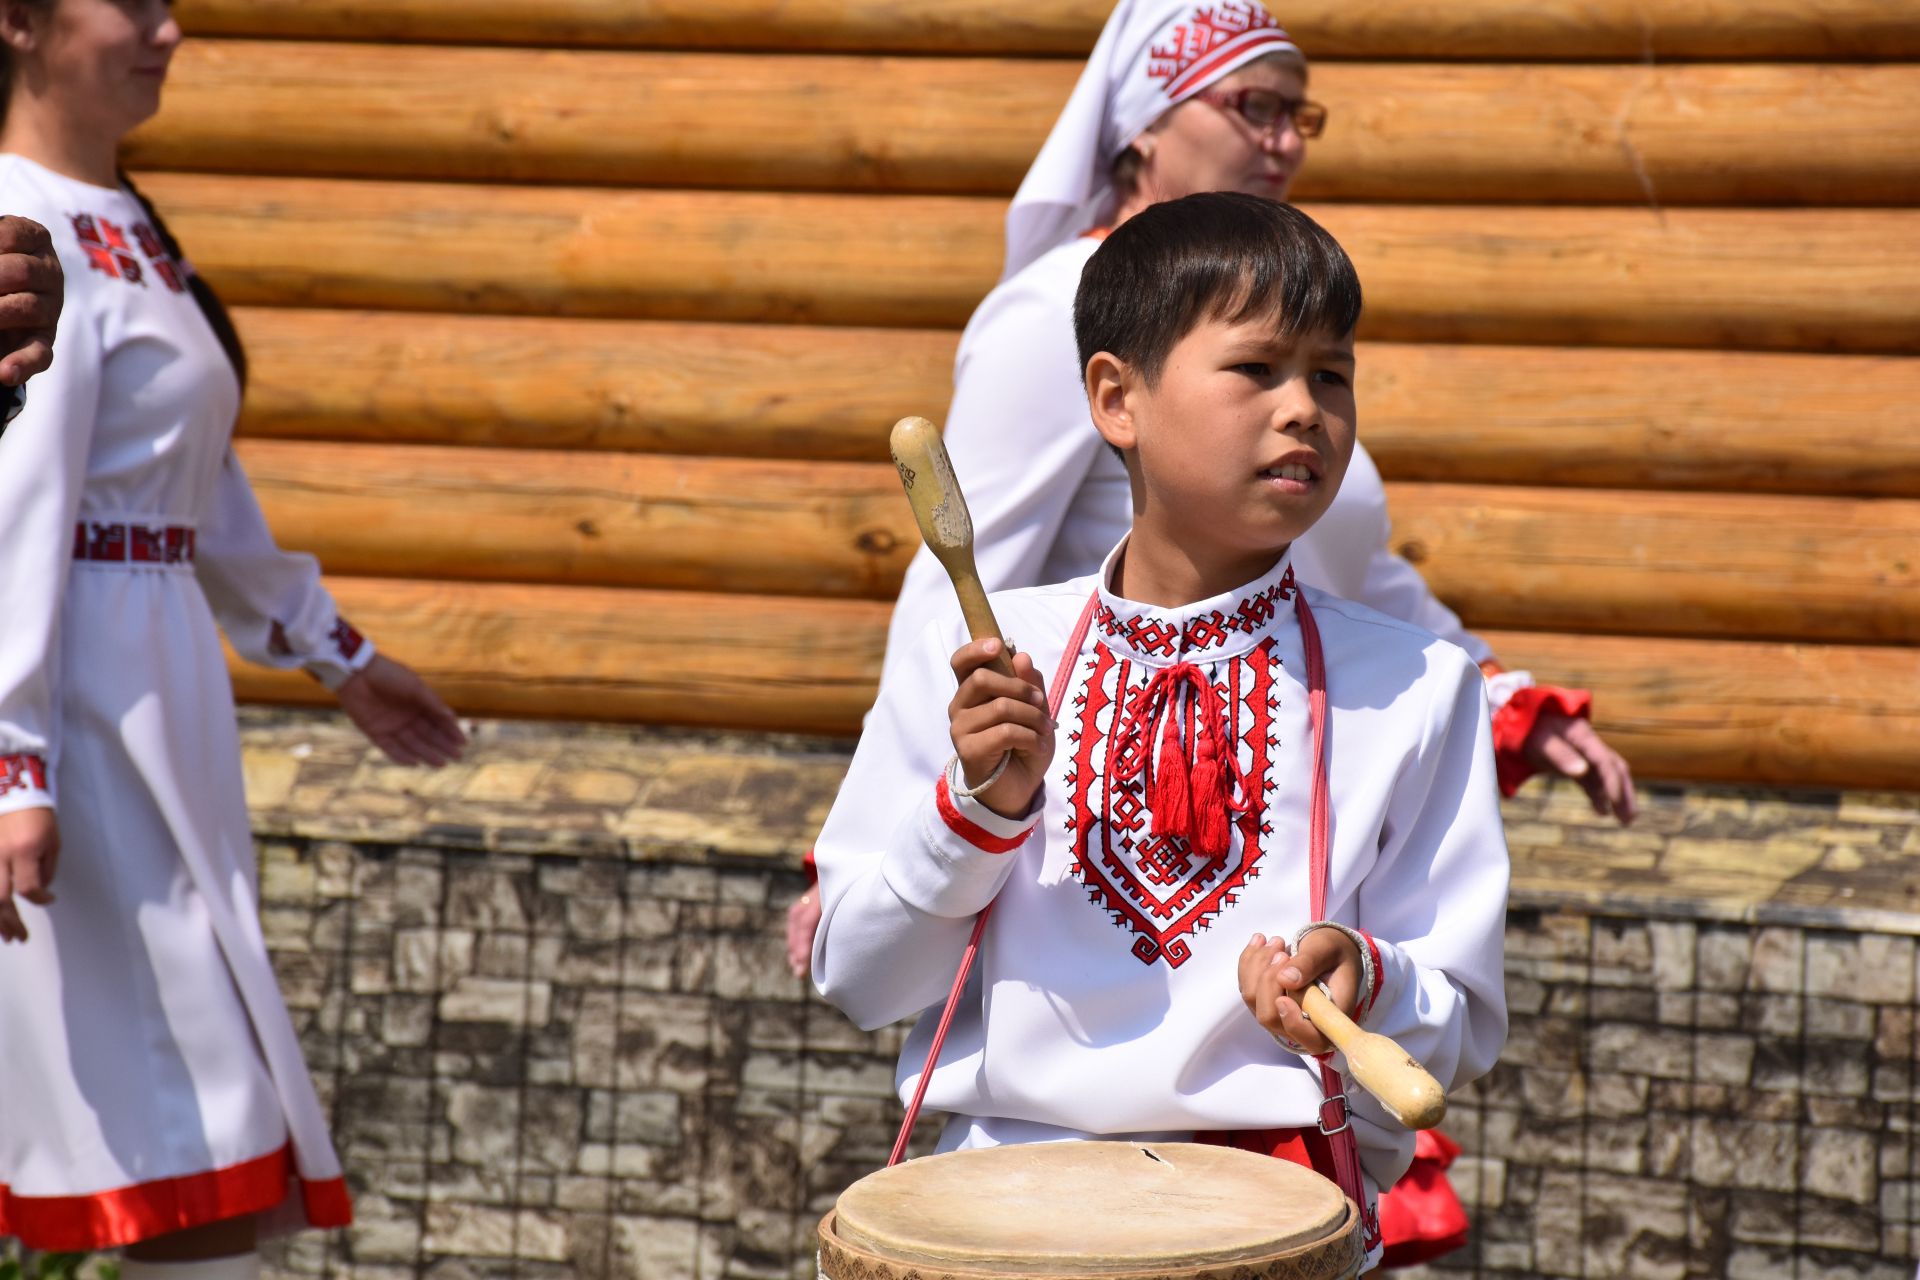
<point>110,250</point>
<point>1156,886</point>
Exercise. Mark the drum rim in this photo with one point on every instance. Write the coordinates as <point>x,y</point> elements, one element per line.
<point>1343,1254</point>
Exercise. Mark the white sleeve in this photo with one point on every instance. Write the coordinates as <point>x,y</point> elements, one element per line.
<point>43,471</point>
<point>270,602</point>
<point>1022,444</point>
<point>1397,589</point>
<point>1436,901</point>
<point>904,864</point>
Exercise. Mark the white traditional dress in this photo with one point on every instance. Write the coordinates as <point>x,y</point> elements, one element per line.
<point>1106,1000</point>
<point>151,1076</point>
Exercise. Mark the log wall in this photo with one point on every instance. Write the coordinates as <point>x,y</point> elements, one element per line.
<point>577,327</point>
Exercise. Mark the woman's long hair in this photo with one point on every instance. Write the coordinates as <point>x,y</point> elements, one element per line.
<point>210,305</point>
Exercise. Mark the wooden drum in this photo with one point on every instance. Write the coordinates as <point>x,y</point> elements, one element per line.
<point>1116,1210</point>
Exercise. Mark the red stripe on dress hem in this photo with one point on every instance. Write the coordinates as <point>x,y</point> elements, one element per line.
<point>972,832</point>
<point>127,1215</point>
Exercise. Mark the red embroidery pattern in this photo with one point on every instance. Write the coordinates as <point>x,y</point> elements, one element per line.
<point>133,544</point>
<point>171,270</point>
<point>346,641</point>
<point>21,772</point>
<point>1195,49</point>
<point>1156,886</point>
<point>108,251</point>
<point>1156,638</point>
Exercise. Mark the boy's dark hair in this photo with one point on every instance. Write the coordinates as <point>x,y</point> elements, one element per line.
<point>1215,256</point>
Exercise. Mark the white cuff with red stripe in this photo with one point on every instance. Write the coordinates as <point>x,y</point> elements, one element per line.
<point>950,857</point>
<point>24,783</point>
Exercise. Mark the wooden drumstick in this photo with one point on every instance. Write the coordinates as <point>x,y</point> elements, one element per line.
<point>1382,1067</point>
<point>945,524</point>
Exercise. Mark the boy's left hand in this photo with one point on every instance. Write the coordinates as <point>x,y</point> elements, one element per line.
<point>1272,978</point>
<point>394,707</point>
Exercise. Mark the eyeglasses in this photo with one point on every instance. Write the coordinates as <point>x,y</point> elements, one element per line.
<point>1265,109</point>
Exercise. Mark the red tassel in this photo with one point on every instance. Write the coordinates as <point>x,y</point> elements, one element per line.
<point>1210,826</point>
<point>1171,801</point>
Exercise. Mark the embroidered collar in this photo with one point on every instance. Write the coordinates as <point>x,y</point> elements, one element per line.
<point>1204,631</point>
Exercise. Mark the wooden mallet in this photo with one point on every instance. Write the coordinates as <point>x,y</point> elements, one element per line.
<point>945,524</point>
<point>1383,1068</point>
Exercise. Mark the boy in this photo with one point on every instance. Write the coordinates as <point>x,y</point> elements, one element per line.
<point>1169,810</point>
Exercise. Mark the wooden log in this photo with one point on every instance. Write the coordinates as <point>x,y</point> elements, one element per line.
<point>1666,563</point>
<point>739,525</point>
<point>1539,559</point>
<point>1402,132</point>
<point>752,390</point>
<point>580,653</point>
<point>1811,715</point>
<point>1724,711</point>
<point>1633,419</point>
<point>1840,279</point>
<point>1575,30</point>
<point>1517,415</point>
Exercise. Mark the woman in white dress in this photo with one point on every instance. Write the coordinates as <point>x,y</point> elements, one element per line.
<point>152,1092</point>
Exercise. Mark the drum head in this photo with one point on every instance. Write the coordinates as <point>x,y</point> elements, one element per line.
<point>1095,1209</point>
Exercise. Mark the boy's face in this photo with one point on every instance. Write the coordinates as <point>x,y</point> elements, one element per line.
<point>1242,442</point>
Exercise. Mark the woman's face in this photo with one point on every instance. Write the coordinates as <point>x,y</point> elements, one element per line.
<point>1199,146</point>
<point>102,61</point>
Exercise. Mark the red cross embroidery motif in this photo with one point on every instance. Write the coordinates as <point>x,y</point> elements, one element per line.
<point>1156,887</point>
<point>165,265</point>
<point>22,773</point>
<point>1216,33</point>
<point>346,640</point>
<point>106,247</point>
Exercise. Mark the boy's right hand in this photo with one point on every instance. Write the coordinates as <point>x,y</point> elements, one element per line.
<point>991,715</point>
<point>29,847</point>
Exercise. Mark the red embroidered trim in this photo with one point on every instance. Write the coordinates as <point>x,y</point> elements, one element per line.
<point>22,772</point>
<point>1152,636</point>
<point>1212,36</point>
<point>118,543</point>
<point>346,640</point>
<point>109,1219</point>
<point>105,244</point>
<point>1514,721</point>
<point>972,832</point>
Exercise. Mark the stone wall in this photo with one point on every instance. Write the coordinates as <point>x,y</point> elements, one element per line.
<point>544,996</point>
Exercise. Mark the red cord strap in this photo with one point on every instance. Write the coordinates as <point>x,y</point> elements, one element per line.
<point>1055,692</point>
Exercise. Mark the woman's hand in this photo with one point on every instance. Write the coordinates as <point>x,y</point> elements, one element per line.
<point>803,921</point>
<point>31,289</point>
<point>994,716</point>
<point>1569,746</point>
<point>401,715</point>
<point>29,848</point>
<point>1272,979</point>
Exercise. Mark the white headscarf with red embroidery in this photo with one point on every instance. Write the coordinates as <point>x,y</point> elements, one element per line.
<point>1151,56</point>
